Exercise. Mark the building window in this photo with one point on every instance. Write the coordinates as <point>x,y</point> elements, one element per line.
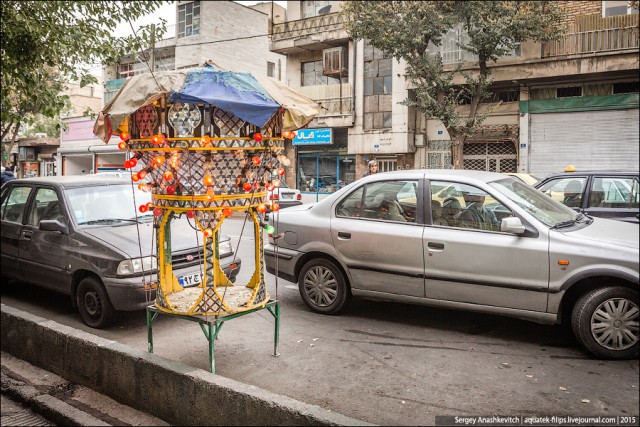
<point>315,8</point>
<point>439,154</point>
<point>271,69</point>
<point>618,7</point>
<point>312,75</point>
<point>377,88</point>
<point>189,19</point>
<point>569,92</point>
<point>451,52</point>
<point>626,87</point>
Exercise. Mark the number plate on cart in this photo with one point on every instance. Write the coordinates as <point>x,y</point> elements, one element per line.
<point>190,279</point>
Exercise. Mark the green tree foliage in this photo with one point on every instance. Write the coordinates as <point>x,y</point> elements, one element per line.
<point>47,43</point>
<point>409,31</point>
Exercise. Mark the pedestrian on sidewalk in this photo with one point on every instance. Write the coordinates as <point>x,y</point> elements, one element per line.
<point>6,176</point>
<point>373,167</point>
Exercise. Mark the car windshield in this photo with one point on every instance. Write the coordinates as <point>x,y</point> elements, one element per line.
<point>542,207</point>
<point>107,204</point>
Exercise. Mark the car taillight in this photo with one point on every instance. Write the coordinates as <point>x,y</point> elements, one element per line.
<point>299,196</point>
<point>273,196</point>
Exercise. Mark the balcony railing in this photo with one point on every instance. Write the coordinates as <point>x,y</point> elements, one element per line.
<point>307,26</point>
<point>335,99</point>
<point>596,34</point>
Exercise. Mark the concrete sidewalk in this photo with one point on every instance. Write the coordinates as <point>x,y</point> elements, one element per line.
<point>61,402</point>
<point>85,364</point>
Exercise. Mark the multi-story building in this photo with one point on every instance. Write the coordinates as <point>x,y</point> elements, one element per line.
<point>571,101</point>
<point>229,34</point>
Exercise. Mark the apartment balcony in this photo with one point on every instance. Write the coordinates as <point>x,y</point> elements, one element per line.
<point>594,34</point>
<point>336,104</point>
<point>302,35</point>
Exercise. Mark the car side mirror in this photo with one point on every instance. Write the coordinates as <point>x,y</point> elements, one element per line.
<point>53,225</point>
<point>512,225</point>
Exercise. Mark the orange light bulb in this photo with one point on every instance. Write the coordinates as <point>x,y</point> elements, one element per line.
<point>208,180</point>
<point>208,232</point>
<point>124,136</point>
<point>168,176</point>
<point>246,186</point>
<point>256,161</point>
<point>205,140</point>
<point>277,183</point>
<point>275,207</point>
<point>135,177</point>
<point>262,208</point>
<point>142,174</point>
<point>122,145</point>
<point>280,171</point>
<point>210,193</point>
<point>257,137</point>
<point>159,160</point>
<point>227,212</point>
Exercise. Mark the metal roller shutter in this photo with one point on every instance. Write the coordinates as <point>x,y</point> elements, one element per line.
<point>589,140</point>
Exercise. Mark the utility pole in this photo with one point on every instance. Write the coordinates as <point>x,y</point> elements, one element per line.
<point>153,48</point>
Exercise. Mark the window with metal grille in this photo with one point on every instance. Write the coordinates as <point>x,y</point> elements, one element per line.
<point>490,156</point>
<point>626,87</point>
<point>271,69</point>
<point>387,165</point>
<point>439,154</point>
<point>569,92</point>
<point>189,19</point>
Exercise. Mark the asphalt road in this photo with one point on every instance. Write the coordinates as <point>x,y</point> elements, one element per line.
<point>384,363</point>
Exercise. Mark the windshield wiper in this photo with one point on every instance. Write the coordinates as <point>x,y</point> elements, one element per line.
<point>107,221</point>
<point>569,222</point>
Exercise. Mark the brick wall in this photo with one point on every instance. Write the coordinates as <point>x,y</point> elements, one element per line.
<point>572,9</point>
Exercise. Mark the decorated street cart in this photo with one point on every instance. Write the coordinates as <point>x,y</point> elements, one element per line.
<point>206,143</point>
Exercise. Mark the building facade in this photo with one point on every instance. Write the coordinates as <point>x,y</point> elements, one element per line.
<point>226,33</point>
<point>571,101</point>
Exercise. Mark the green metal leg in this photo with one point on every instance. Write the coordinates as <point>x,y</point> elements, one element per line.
<point>274,309</point>
<point>150,319</point>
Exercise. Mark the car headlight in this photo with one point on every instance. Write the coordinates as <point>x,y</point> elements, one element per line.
<point>225,248</point>
<point>137,265</point>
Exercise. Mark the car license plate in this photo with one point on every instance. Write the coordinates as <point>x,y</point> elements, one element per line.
<point>286,196</point>
<point>190,280</point>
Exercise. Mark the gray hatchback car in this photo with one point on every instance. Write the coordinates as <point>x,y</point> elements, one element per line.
<point>469,240</point>
<point>83,236</point>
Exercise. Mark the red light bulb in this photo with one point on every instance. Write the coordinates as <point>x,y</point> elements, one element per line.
<point>143,208</point>
<point>171,189</point>
<point>133,161</point>
<point>127,164</point>
<point>124,136</point>
<point>191,214</point>
<point>280,171</point>
<point>246,186</point>
<point>257,137</point>
<point>270,187</point>
<point>157,211</point>
<point>256,161</point>
<point>142,174</point>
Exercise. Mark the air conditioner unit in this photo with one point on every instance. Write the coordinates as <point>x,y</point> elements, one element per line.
<point>335,62</point>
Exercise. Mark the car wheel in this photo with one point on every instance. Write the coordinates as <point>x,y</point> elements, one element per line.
<point>93,303</point>
<point>605,322</point>
<point>323,287</point>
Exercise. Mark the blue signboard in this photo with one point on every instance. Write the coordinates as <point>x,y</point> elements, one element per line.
<point>313,136</point>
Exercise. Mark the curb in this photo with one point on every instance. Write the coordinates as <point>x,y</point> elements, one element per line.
<point>172,391</point>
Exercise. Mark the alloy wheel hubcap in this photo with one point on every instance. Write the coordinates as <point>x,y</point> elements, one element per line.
<point>321,286</point>
<point>614,324</point>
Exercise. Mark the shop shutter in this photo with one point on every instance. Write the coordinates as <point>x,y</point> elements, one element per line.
<point>589,140</point>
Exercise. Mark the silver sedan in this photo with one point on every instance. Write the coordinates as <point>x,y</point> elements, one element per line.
<point>468,240</point>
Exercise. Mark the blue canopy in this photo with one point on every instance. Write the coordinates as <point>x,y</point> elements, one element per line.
<point>234,92</point>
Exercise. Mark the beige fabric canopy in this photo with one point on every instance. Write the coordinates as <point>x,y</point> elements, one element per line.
<point>144,89</point>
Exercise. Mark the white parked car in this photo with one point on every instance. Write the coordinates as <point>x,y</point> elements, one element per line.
<point>504,248</point>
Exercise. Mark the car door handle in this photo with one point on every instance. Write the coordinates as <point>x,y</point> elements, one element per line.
<point>438,246</point>
<point>344,235</point>
<point>26,235</point>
